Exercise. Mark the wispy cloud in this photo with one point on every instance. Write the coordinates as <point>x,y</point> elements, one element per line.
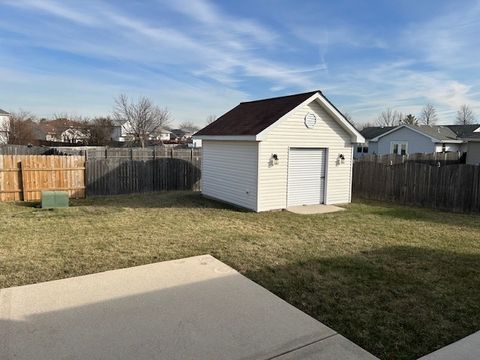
<point>448,40</point>
<point>206,50</point>
<point>223,25</point>
<point>55,9</point>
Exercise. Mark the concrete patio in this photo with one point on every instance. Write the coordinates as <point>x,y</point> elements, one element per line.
<point>314,209</point>
<point>193,308</point>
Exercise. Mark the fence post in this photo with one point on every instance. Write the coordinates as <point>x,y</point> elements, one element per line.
<point>85,173</point>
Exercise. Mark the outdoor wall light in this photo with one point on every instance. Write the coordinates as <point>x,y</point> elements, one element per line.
<point>341,158</point>
<point>275,159</point>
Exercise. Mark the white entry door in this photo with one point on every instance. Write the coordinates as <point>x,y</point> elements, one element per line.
<point>306,176</point>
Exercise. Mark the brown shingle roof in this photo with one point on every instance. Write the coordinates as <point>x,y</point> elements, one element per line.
<point>58,126</point>
<point>251,118</point>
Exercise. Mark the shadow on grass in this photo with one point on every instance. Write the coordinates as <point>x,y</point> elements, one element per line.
<point>396,302</point>
<point>404,212</point>
<point>171,199</point>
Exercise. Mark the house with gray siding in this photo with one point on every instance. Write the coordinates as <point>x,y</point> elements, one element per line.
<point>411,139</point>
<point>279,152</point>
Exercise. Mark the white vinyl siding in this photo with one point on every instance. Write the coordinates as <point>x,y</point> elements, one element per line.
<point>292,132</point>
<point>449,147</point>
<point>4,119</point>
<point>229,172</point>
<point>306,177</point>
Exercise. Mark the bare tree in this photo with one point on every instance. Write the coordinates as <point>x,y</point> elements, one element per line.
<point>100,131</point>
<point>389,117</point>
<point>143,117</point>
<point>69,117</point>
<point>19,129</point>
<point>188,126</point>
<point>211,118</point>
<point>349,118</point>
<point>465,115</point>
<point>428,115</point>
<point>364,125</point>
<point>409,120</point>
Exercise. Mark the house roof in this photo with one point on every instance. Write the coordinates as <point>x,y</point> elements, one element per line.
<point>58,126</point>
<point>3,112</point>
<point>374,131</point>
<point>178,132</point>
<point>252,117</point>
<point>118,122</point>
<point>465,131</point>
<point>440,133</point>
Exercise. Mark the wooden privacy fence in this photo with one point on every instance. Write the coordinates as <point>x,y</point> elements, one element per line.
<point>23,177</point>
<point>447,158</point>
<point>125,171</point>
<point>99,172</point>
<point>452,187</point>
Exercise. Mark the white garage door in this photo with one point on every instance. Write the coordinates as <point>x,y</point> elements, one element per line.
<point>306,177</point>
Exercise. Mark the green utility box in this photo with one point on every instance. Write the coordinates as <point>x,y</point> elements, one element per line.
<point>54,199</point>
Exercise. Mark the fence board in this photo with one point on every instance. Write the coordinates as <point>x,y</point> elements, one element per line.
<point>24,177</point>
<point>447,158</point>
<point>124,171</point>
<point>453,187</point>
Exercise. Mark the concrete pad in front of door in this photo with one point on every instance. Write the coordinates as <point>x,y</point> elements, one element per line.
<point>314,209</point>
<point>193,308</point>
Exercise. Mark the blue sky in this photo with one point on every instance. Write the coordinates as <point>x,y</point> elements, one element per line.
<point>199,57</point>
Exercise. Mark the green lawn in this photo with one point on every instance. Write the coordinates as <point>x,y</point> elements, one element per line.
<point>400,282</point>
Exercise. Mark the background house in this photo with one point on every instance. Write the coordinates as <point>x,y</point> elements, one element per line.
<point>410,139</point>
<point>123,132</point>
<point>274,153</point>
<point>180,135</point>
<point>473,147</point>
<point>63,130</point>
<point>161,135</point>
<point>4,123</point>
<point>369,133</point>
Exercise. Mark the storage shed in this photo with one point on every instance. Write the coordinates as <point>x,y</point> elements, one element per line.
<point>279,152</point>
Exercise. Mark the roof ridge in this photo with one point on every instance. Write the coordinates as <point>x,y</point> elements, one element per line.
<point>282,97</point>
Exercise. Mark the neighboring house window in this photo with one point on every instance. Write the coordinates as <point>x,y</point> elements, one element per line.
<point>362,148</point>
<point>444,147</point>
<point>399,147</point>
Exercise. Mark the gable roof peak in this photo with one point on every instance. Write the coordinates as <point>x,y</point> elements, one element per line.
<point>309,93</point>
<point>252,119</point>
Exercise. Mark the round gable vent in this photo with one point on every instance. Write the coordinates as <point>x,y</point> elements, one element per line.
<point>310,120</point>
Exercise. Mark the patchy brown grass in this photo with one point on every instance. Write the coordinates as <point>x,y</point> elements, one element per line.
<point>400,282</point>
